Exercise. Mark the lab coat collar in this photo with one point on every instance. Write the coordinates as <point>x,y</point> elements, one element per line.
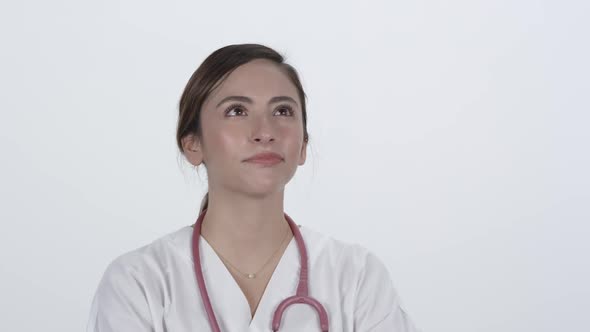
<point>227,299</point>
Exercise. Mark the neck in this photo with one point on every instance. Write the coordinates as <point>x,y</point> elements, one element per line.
<point>240,225</point>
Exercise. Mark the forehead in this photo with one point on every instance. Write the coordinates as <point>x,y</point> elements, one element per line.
<point>256,79</point>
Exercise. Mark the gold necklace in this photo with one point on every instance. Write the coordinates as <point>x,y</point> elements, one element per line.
<point>253,275</point>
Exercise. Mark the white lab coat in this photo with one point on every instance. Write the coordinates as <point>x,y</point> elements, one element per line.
<point>154,288</point>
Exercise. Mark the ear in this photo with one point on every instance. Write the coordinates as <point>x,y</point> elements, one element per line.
<point>192,149</point>
<point>303,154</point>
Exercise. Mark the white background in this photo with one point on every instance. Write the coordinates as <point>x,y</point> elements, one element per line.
<point>449,137</point>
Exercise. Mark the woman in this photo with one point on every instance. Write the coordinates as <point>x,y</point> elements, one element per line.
<point>243,116</point>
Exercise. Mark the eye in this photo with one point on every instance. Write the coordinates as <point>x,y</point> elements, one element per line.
<point>232,107</point>
<point>287,108</point>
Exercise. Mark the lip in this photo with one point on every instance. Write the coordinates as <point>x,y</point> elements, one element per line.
<point>266,158</point>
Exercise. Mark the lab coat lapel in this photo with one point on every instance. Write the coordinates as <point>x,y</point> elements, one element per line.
<point>282,284</point>
<point>227,299</point>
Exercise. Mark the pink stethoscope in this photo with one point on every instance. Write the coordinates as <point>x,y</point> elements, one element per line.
<point>302,288</point>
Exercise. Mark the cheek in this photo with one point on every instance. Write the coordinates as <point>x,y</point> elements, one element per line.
<point>226,144</point>
<point>293,139</point>
<point>290,128</point>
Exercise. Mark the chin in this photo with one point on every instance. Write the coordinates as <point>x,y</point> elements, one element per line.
<point>264,189</point>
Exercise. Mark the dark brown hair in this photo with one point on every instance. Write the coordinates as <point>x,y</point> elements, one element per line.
<point>216,67</point>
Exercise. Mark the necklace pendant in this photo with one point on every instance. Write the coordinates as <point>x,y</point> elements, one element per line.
<point>251,275</point>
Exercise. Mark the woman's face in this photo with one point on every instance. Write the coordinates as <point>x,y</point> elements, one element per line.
<point>255,109</point>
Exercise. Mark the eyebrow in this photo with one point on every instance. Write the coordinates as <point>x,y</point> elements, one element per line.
<point>249,100</point>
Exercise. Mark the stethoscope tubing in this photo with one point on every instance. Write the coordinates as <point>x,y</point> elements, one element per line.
<point>301,296</point>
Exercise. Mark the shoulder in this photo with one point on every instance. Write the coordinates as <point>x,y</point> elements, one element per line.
<point>132,290</point>
<point>343,254</point>
<point>376,305</point>
<point>155,256</point>
<point>146,267</point>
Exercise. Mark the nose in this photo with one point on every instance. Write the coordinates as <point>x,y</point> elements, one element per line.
<point>263,130</point>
